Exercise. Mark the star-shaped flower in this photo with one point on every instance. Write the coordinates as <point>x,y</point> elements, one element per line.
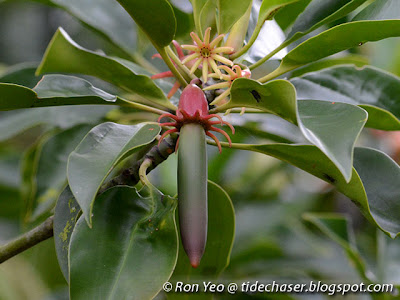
<point>232,74</point>
<point>207,53</point>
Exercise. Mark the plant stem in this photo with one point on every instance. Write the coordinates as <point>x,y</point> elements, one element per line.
<point>249,44</point>
<point>267,57</point>
<point>171,66</point>
<point>157,154</point>
<point>143,172</point>
<point>186,71</point>
<point>141,61</point>
<point>27,240</point>
<point>144,107</point>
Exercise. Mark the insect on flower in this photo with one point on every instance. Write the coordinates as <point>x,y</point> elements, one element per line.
<point>193,108</point>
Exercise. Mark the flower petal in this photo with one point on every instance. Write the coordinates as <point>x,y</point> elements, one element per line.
<point>195,65</point>
<point>214,67</point>
<point>196,39</point>
<point>222,59</point>
<point>216,41</point>
<point>190,47</point>
<point>191,57</point>
<point>223,50</point>
<point>220,85</point>
<point>205,70</point>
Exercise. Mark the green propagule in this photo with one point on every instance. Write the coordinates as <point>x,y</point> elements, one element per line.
<point>193,122</point>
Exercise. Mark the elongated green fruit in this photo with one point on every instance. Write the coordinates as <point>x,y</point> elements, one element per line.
<point>192,190</point>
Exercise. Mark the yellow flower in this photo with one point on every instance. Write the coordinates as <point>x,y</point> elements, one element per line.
<point>207,53</point>
<point>232,74</point>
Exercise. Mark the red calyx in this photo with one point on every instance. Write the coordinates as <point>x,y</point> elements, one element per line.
<point>193,108</point>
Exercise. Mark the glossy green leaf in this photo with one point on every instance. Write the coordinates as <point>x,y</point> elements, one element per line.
<point>356,60</point>
<point>156,18</point>
<point>269,8</point>
<point>184,23</point>
<point>333,128</point>
<point>221,230</point>
<point>373,185</point>
<point>75,59</point>
<point>338,228</point>
<point>53,86</point>
<point>99,152</point>
<point>203,14</point>
<point>229,12</point>
<point>335,40</point>
<point>15,122</point>
<point>318,120</point>
<point>65,216</point>
<point>320,12</point>
<point>131,250</point>
<point>277,97</point>
<point>380,10</point>
<point>51,174</point>
<point>108,18</point>
<point>288,14</point>
<point>21,74</point>
<point>374,90</point>
<point>55,90</point>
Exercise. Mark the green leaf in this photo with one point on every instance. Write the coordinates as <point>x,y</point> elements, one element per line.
<point>373,185</point>
<point>203,14</point>
<point>269,8</point>
<point>333,128</point>
<point>108,18</point>
<point>288,14</point>
<point>277,97</point>
<point>100,151</point>
<point>64,55</point>
<point>334,40</point>
<point>51,174</point>
<point>136,247</point>
<point>380,10</point>
<point>320,12</point>
<point>156,18</point>
<point>220,235</point>
<point>21,74</point>
<point>374,90</point>
<point>184,23</point>
<point>229,12</point>
<point>15,122</point>
<point>318,120</point>
<point>55,90</point>
<point>53,86</point>
<point>65,217</point>
<point>356,60</point>
<point>338,228</point>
